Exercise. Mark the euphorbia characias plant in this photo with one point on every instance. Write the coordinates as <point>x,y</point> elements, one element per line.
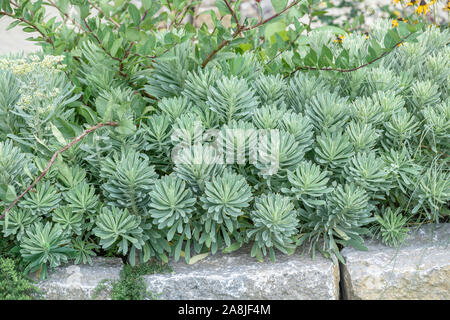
<point>329,140</point>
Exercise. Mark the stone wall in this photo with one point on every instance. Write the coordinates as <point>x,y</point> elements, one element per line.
<point>419,269</point>
<point>239,276</point>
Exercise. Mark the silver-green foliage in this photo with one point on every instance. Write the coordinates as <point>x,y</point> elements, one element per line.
<point>392,227</point>
<point>271,89</point>
<point>328,111</point>
<point>300,127</point>
<point>45,244</point>
<point>369,172</point>
<point>198,164</point>
<point>18,222</point>
<point>172,205</point>
<point>128,179</point>
<point>333,150</point>
<point>82,199</point>
<point>174,107</point>
<point>43,200</point>
<point>170,72</point>
<point>302,89</point>
<point>225,199</point>
<point>118,229</point>
<point>308,184</point>
<point>197,83</point>
<point>71,222</point>
<point>341,221</point>
<point>433,192</point>
<point>9,95</point>
<point>14,166</point>
<point>351,153</point>
<point>232,99</point>
<point>274,225</point>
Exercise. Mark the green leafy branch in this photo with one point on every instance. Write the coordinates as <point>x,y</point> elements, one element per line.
<point>103,13</point>
<point>30,24</point>
<point>241,28</point>
<point>330,57</point>
<point>181,15</point>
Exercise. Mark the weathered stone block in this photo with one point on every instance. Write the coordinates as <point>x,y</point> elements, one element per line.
<point>419,269</point>
<point>78,282</point>
<point>238,276</point>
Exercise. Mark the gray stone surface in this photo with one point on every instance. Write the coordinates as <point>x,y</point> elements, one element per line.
<point>78,282</point>
<point>419,269</point>
<point>238,276</point>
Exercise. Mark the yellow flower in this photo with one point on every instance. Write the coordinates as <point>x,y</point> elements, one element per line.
<point>447,7</point>
<point>422,8</point>
<point>397,13</point>
<point>396,1</point>
<point>395,22</point>
<point>339,38</point>
<point>412,3</point>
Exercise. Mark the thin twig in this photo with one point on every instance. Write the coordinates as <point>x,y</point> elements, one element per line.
<point>351,69</point>
<point>53,4</point>
<point>271,17</point>
<point>127,52</point>
<point>284,50</point>
<point>103,13</point>
<point>183,14</point>
<point>148,95</point>
<point>233,14</point>
<point>155,56</point>
<point>53,159</point>
<point>241,28</point>
<point>221,45</point>
<point>89,29</point>
<point>215,27</point>
<point>310,17</point>
<point>440,152</point>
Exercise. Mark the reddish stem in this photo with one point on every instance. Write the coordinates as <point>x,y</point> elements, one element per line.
<point>240,29</point>
<point>53,159</point>
<point>352,69</point>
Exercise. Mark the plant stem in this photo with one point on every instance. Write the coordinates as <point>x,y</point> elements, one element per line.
<point>53,159</point>
<point>351,69</point>
<point>241,28</point>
